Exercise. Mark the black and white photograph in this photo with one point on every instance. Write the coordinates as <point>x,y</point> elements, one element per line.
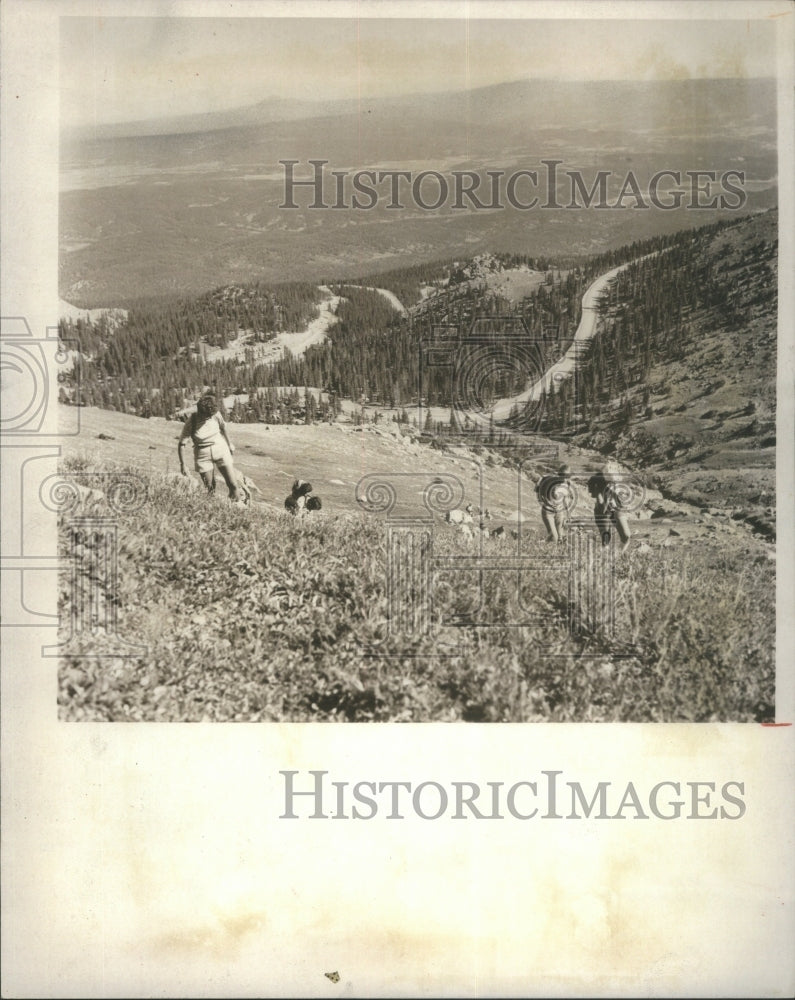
<point>397,364</point>
<point>433,365</point>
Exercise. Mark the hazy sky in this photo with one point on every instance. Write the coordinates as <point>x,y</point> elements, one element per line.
<point>120,69</point>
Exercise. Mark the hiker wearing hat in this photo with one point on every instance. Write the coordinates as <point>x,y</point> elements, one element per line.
<point>608,506</point>
<point>212,448</point>
<point>556,496</point>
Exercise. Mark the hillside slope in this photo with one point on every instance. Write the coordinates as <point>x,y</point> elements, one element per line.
<point>251,615</point>
<point>703,419</point>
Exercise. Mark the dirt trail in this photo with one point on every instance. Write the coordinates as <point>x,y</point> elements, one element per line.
<point>391,298</point>
<point>315,332</point>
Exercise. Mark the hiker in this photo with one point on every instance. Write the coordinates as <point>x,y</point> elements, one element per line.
<point>212,448</point>
<point>608,507</point>
<point>556,498</point>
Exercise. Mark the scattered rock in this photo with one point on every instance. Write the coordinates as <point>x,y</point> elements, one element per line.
<point>106,437</point>
<point>667,508</point>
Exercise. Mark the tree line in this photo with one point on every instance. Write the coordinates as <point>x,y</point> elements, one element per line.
<point>155,362</point>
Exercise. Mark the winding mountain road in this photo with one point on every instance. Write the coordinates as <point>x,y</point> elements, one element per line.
<point>564,368</point>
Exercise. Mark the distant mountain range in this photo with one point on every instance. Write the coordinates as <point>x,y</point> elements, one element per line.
<point>188,203</point>
<point>695,103</point>
<point>272,109</point>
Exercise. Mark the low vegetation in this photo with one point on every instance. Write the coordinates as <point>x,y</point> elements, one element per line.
<point>251,615</point>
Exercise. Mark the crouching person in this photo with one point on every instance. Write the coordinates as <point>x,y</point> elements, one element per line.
<point>212,448</point>
<point>300,499</point>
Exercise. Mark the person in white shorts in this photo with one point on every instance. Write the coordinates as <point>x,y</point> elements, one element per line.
<point>212,448</point>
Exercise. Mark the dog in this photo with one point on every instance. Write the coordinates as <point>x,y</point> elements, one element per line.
<point>300,500</point>
<point>245,487</point>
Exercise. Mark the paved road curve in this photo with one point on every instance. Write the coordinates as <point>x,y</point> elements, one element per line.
<point>551,379</point>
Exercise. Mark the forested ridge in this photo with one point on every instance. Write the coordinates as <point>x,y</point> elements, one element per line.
<point>155,362</point>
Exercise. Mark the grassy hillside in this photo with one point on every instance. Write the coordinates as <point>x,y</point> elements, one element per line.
<point>251,615</point>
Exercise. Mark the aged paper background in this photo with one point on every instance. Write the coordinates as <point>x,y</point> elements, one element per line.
<point>147,860</point>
